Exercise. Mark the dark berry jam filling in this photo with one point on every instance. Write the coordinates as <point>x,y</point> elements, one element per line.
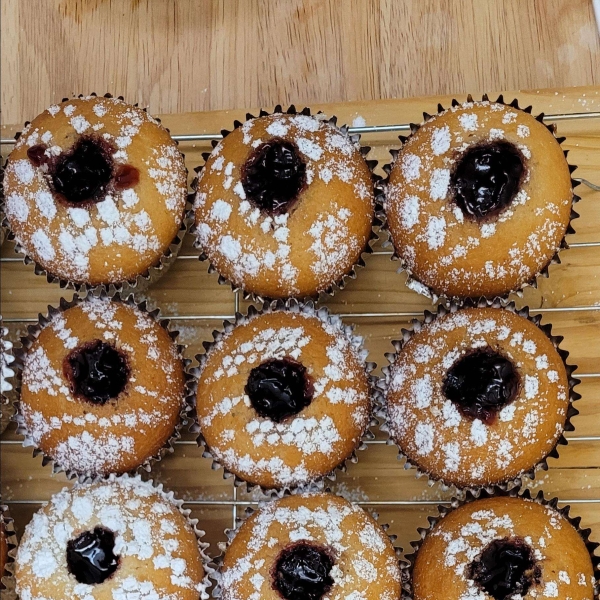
<point>83,173</point>
<point>274,176</point>
<point>302,572</point>
<point>126,177</point>
<point>90,556</point>
<point>37,155</point>
<point>505,568</point>
<point>487,178</point>
<point>279,389</point>
<point>97,372</point>
<point>481,384</point>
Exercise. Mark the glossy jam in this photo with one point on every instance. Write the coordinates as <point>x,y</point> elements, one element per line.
<point>505,568</point>
<point>487,178</point>
<point>279,389</point>
<point>90,556</point>
<point>481,384</point>
<point>97,372</point>
<point>126,177</point>
<point>274,175</point>
<point>83,173</point>
<point>302,572</point>
<point>37,155</point>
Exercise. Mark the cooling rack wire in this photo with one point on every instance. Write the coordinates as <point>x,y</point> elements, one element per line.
<point>234,503</point>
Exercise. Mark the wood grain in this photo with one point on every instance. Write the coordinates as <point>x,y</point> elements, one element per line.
<point>197,303</point>
<point>185,55</point>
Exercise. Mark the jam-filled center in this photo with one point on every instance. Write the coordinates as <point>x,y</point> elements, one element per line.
<point>505,568</point>
<point>302,572</point>
<point>481,384</point>
<point>83,173</point>
<point>90,556</point>
<point>487,178</point>
<point>97,371</point>
<point>274,175</point>
<point>279,388</point>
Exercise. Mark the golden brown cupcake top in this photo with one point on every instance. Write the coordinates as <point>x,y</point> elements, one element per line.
<point>342,548</point>
<point>95,190</point>
<point>500,549</point>
<point>284,205</point>
<point>477,397</point>
<point>103,387</point>
<point>478,200</point>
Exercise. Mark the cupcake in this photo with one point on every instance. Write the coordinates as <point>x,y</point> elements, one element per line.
<point>479,200</point>
<point>103,387</point>
<point>478,396</point>
<point>284,205</point>
<point>95,193</point>
<point>310,547</point>
<point>117,539</point>
<point>284,396</point>
<point>6,374</point>
<point>503,548</point>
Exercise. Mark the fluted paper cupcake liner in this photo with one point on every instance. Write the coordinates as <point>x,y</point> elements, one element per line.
<point>376,225</point>
<point>293,306</point>
<point>539,498</point>
<point>43,321</point>
<point>429,317</point>
<point>412,281</point>
<point>6,376</point>
<point>230,534</point>
<point>139,283</point>
<point>7,578</point>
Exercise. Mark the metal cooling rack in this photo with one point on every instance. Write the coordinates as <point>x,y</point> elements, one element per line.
<point>234,503</point>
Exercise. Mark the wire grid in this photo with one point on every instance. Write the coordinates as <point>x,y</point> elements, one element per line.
<point>234,503</point>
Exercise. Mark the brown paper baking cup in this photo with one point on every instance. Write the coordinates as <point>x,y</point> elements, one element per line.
<point>452,307</point>
<point>412,281</point>
<point>376,226</point>
<point>33,333</point>
<point>7,578</point>
<point>293,306</point>
<point>444,510</point>
<point>142,281</point>
<point>230,534</point>
<point>6,376</point>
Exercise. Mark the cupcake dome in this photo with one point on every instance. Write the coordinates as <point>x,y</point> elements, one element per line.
<point>95,191</point>
<point>283,398</point>
<point>477,397</point>
<point>103,386</point>
<point>479,200</point>
<point>310,547</point>
<point>502,549</point>
<point>284,206</point>
<point>116,539</point>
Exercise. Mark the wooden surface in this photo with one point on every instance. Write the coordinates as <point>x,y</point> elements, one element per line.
<point>191,55</point>
<point>569,298</point>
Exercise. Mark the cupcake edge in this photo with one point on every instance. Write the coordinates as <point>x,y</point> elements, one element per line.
<point>34,330</point>
<point>230,533</point>
<point>376,225</point>
<point>430,317</point>
<point>412,282</point>
<point>456,502</point>
<point>143,280</point>
<point>356,342</point>
<point>8,576</point>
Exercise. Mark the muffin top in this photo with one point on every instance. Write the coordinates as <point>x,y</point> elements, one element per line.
<point>284,205</point>
<point>121,538</point>
<point>283,398</point>
<point>310,547</point>
<point>503,549</point>
<point>478,200</point>
<point>95,190</point>
<point>477,397</point>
